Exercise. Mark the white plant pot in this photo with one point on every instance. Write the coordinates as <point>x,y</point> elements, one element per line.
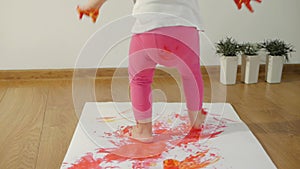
<point>250,69</point>
<point>274,65</point>
<point>228,69</point>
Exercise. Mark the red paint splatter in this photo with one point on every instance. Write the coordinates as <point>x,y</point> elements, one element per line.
<point>87,162</point>
<point>181,117</point>
<point>204,112</point>
<point>160,128</point>
<point>142,164</point>
<point>213,155</point>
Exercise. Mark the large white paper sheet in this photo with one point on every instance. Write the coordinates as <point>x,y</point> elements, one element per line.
<point>226,141</point>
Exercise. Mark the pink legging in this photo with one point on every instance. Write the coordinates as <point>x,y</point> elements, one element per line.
<point>177,47</point>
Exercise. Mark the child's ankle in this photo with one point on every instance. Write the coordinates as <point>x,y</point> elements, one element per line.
<point>144,128</point>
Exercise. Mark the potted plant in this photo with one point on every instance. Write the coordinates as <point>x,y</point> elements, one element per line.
<point>229,49</point>
<point>250,63</point>
<point>277,54</point>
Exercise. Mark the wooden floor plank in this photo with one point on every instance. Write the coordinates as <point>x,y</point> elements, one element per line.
<point>21,119</point>
<point>2,92</point>
<point>284,151</point>
<point>59,124</point>
<point>266,108</point>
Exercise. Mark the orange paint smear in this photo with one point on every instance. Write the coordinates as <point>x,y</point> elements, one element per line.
<point>191,162</point>
<point>106,119</point>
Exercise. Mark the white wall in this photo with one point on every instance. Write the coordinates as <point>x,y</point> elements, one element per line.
<point>40,34</point>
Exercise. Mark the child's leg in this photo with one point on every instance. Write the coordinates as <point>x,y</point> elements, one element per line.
<point>193,83</point>
<point>141,71</point>
<point>140,93</point>
<point>141,99</point>
<point>193,90</point>
<point>183,43</point>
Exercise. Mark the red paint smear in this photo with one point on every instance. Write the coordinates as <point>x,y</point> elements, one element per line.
<point>105,150</point>
<point>87,162</point>
<point>126,130</point>
<point>114,157</point>
<point>125,111</point>
<point>161,131</point>
<point>193,136</point>
<point>230,120</point>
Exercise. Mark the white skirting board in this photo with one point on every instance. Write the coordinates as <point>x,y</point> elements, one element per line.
<point>225,143</point>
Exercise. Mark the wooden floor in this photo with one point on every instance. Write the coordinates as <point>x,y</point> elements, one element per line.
<point>37,118</point>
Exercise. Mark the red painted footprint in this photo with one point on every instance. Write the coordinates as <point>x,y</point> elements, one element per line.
<point>140,150</point>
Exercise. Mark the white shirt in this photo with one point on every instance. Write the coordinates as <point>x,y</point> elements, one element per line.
<point>151,14</point>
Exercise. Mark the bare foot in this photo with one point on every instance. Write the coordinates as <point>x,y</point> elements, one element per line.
<point>197,118</point>
<point>142,130</point>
